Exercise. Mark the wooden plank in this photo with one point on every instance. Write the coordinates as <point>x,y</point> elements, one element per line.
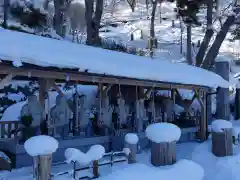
<point>93,78</point>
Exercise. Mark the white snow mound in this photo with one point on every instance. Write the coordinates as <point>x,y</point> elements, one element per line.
<point>41,145</point>
<point>75,155</point>
<point>126,151</point>
<point>96,152</point>
<point>131,138</point>
<point>179,171</point>
<point>163,132</point>
<point>219,124</point>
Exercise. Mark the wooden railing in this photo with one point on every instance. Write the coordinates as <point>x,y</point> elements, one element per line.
<point>7,129</point>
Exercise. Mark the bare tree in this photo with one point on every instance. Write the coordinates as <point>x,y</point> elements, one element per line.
<point>152,40</point>
<point>208,35</point>
<point>5,18</point>
<point>213,51</point>
<point>93,15</point>
<point>189,44</point>
<point>59,19</point>
<point>206,57</point>
<point>132,4</point>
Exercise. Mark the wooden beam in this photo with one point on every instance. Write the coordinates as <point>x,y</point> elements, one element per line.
<point>149,90</point>
<point>42,90</point>
<point>92,78</point>
<point>203,129</point>
<point>106,89</point>
<point>5,80</point>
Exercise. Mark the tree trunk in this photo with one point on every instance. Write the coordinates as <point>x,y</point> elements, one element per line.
<point>5,18</point>
<point>59,17</point>
<point>181,38</point>
<point>163,153</point>
<point>152,28</point>
<point>93,19</point>
<point>208,35</point>
<point>189,44</point>
<point>214,50</point>
<point>237,103</point>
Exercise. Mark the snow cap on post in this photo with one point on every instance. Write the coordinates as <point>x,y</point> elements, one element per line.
<point>238,86</point>
<point>220,124</point>
<point>221,58</point>
<point>163,132</point>
<point>131,138</point>
<point>96,152</point>
<point>41,145</point>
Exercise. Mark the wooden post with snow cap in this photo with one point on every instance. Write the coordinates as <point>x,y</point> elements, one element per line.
<point>95,153</point>
<point>222,138</point>
<point>163,137</point>
<point>223,106</point>
<point>41,149</point>
<point>131,142</point>
<point>237,102</point>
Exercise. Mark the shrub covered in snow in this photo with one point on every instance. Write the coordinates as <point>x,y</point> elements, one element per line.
<point>163,132</point>
<point>28,14</point>
<point>41,145</point>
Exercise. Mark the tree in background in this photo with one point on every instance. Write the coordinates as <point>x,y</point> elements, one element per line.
<point>93,15</point>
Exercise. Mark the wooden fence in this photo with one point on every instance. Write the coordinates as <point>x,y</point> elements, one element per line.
<point>7,128</point>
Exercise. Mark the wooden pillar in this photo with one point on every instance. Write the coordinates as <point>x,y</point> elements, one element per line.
<point>237,102</point>
<point>131,142</point>
<point>203,125</point>
<point>222,141</point>
<point>223,106</point>
<point>42,91</point>
<point>95,169</point>
<point>163,153</point>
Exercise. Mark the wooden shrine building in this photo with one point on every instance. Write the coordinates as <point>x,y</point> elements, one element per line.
<point>49,61</point>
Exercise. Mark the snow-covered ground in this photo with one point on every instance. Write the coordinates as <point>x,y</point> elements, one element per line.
<point>226,168</point>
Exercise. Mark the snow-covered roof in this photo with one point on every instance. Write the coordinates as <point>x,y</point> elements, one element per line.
<point>45,52</point>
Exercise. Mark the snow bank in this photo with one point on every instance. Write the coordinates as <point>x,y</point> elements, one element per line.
<point>49,52</point>
<point>219,124</point>
<point>12,113</point>
<point>131,138</point>
<point>41,145</point>
<point>96,152</point>
<point>163,132</point>
<point>219,168</point>
<point>75,155</point>
<point>126,151</point>
<point>179,171</point>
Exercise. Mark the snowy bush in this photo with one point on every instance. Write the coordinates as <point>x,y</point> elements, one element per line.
<point>28,14</point>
